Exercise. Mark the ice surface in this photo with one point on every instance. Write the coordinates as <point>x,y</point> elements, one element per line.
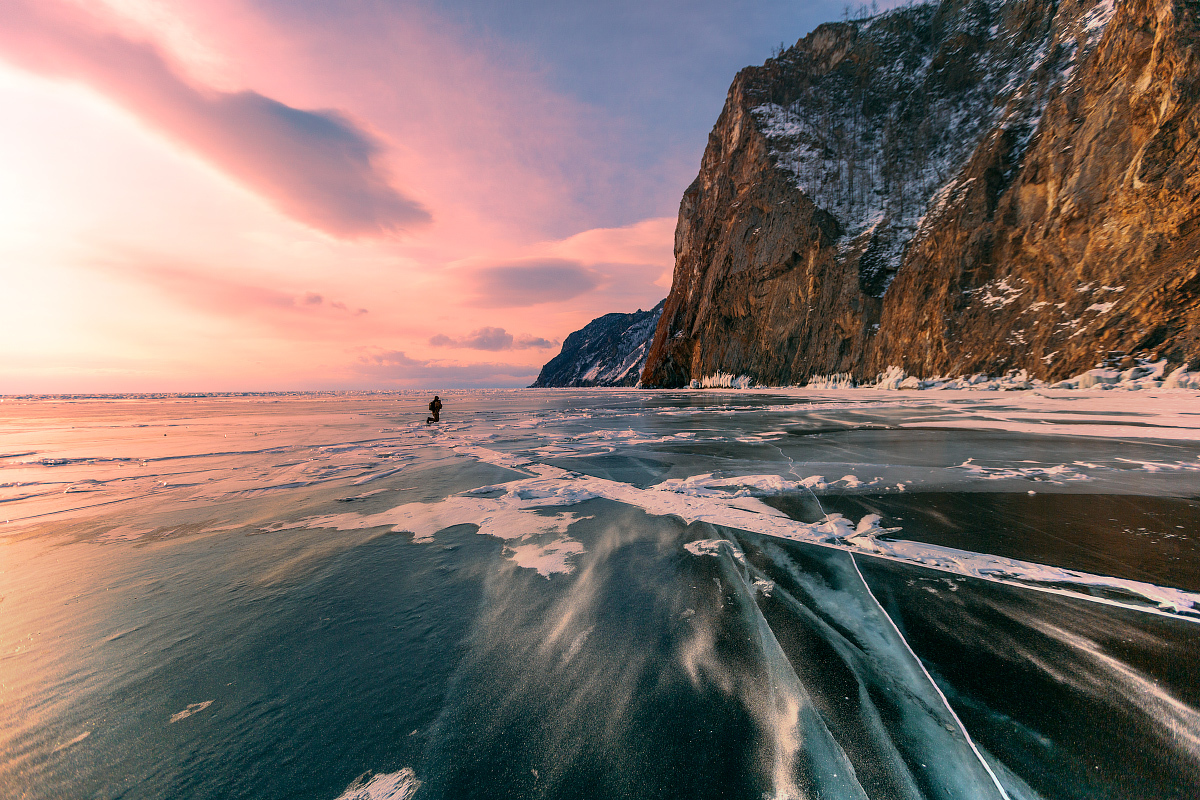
<point>695,500</point>
<point>614,536</point>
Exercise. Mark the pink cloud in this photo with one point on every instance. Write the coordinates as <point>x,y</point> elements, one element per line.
<point>477,127</point>
<point>395,368</point>
<point>317,166</point>
<point>647,242</point>
<point>492,338</point>
<point>580,277</point>
<point>527,282</point>
<point>477,134</point>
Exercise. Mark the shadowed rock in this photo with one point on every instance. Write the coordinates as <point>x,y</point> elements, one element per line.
<point>608,351</point>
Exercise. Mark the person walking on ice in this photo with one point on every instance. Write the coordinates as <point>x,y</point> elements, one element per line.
<point>435,407</point>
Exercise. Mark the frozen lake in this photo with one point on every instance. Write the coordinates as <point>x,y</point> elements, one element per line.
<point>602,594</point>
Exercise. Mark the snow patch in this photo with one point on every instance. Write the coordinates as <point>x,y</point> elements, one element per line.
<point>400,785</point>
<point>1098,18</point>
<point>1182,379</point>
<point>547,558</point>
<point>713,547</point>
<point>1054,474</point>
<point>193,708</point>
<point>752,486</point>
<point>509,516</point>
<point>1145,375</point>
<point>1005,294</point>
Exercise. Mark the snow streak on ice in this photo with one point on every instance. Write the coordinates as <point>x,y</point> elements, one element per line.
<point>516,511</point>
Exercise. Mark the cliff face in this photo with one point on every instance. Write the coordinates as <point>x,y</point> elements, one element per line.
<point>976,185</point>
<point>608,351</point>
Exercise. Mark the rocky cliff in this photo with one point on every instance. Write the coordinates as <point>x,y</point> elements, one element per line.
<point>965,186</point>
<point>608,351</point>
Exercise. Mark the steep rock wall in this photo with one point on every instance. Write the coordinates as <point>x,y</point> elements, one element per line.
<point>967,186</point>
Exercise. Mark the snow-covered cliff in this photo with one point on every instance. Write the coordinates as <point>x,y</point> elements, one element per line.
<point>955,187</point>
<point>608,351</point>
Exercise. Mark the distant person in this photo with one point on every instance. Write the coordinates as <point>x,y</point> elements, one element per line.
<point>435,408</point>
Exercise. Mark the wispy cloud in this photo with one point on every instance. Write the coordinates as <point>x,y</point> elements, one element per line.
<point>317,166</point>
<point>527,282</point>
<point>527,342</point>
<point>389,360</point>
<point>646,243</point>
<point>492,339</point>
<point>395,368</point>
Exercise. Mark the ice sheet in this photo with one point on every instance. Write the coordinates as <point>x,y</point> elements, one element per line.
<point>555,487</point>
<point>588,490</point>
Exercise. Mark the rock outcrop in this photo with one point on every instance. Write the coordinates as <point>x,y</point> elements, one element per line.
<point>608,351</point>
<point>965,186</point>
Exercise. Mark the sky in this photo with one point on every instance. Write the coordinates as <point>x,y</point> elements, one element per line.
<point>273,195</point>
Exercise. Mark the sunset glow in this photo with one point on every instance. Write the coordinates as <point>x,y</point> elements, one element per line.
<point>236,195</point>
